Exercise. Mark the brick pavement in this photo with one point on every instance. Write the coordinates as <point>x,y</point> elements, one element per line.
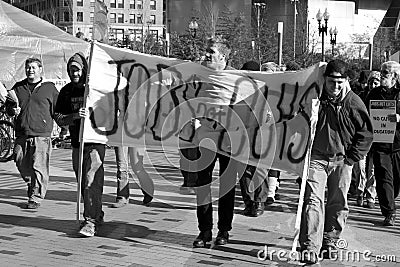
<point>160,234</point>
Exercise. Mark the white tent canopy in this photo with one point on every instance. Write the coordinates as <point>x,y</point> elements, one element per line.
<point>23,35</point>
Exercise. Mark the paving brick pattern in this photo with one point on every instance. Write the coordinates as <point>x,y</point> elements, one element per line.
<point>162,233</point>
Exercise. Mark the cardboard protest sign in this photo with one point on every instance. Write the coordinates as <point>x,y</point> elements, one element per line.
<point>384,130</point>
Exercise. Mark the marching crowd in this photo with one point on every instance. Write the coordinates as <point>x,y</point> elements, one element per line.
<point>344,158</point>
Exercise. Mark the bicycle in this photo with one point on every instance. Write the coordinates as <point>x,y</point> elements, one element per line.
<point>7,136</point>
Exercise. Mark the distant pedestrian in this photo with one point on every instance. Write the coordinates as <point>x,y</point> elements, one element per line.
<point>36,100</point>
<point>343,136</point>
<point>124,155</point>
<point>69,111</point>
<point>363,171</point>
<point>252,182</point>
<point>386,156</point>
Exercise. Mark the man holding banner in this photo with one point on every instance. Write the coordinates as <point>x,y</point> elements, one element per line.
<point>384,107</point>
<point>216,58</point>
<point>343,137</point>
<point>69,111</point>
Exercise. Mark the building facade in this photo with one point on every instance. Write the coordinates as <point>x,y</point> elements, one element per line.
<point>126,18</point>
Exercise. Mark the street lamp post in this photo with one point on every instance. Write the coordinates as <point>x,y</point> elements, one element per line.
<point>259,6</point>
<point>323,28</point>
<point>294,27</point>
<point>333,33</point>
<point>193,26</point>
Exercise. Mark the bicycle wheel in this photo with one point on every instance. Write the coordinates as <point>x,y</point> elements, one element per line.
<point>6,140</point>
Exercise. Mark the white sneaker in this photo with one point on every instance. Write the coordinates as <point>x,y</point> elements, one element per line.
<point>87,230</point>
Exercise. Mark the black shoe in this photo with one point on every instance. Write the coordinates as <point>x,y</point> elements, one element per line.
<point>270,201</point>
<point>147,198</point>
<point>328,249</point>
<point>32,205</point>
<point>258,209</point>
<point>202,239</point>
<point>222,238</point>
<point>308,257</point>
<point>389,220</point>
<point>248,210</point>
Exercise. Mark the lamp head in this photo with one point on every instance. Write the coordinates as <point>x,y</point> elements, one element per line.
<point>326,14</point>
<point>319,15</point>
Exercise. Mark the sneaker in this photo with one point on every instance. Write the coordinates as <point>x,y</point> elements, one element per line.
<point>389,220</point>
<point>87,230</point>
<point>119,204</point>
<point>32,205</point>
<point>360,201</point>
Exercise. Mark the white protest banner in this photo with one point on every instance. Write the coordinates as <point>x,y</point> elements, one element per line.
<point>144,101</point>
<point>384,130</point>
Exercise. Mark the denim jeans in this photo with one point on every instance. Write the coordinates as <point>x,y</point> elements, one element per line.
<point>136,162</point>
<point>121,154</point>
<point>32,157</point>
<point>92,180</point>
<point>336,175</point>
<point>363,174</point>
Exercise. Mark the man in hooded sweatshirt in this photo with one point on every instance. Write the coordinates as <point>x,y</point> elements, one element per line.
<point>69,111</point>
<point>35,100</point>
<point>343,136</point>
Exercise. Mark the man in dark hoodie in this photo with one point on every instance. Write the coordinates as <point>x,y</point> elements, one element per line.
<point>386,156</point>
<point>69,111</point>
<point>343,136</point>
<point>33,127</point>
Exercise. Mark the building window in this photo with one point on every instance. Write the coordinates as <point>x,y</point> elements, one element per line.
<point>153,4</point>
<point>139,19</point>
<point>119,34</point>
<point>132,4</point>
<point>91,17</point>
<point>66,16</point>
<point>152,19</point>
<point>92,3</point>
<point>138,34</point>
<point>120,18</point>
<point>139,4</point>
<point>78,2</point>
<point>132,18</point>
<point>113,3</point>
<point>154,33</point>
<point>120,3</point>
<point>79,16</point>
<point>113,17</point>
<point>66,2</point>
<point>90,31</point>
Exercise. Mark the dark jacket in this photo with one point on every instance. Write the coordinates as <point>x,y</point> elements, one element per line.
<point>37,109</point>
<point>380,93</point>
<point>343,127</point>
<point>71,99</point>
